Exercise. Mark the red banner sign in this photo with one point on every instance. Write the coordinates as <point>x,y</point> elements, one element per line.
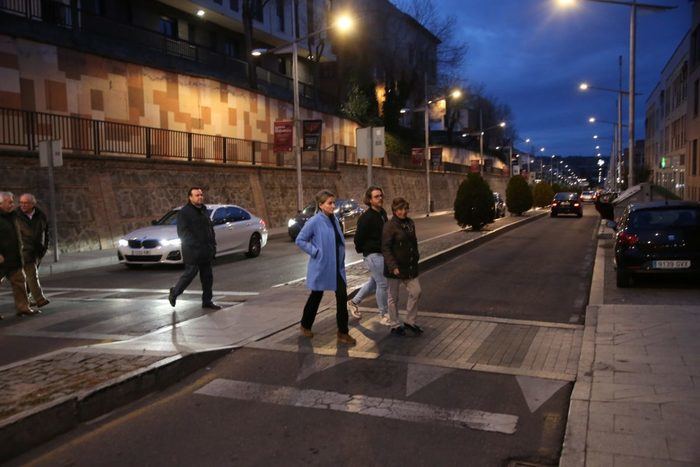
<point>284,135</point>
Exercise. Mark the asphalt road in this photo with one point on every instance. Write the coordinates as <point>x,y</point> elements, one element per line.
<point>280,261</point>
<point>259,406</point>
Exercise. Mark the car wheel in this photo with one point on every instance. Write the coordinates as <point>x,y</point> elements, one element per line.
<point>623,278</point>
<point>580,214</point>
<point>133,266</point>
<point>254,246</point>
<point>553,214</point>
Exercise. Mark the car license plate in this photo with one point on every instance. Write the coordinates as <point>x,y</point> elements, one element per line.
<point>141,252</point>
<point>668,264</point>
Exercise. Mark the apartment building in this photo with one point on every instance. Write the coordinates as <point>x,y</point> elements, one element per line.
<point>666,148</point>
<point>693,112</point>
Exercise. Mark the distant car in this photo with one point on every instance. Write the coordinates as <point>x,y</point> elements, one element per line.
<point>236,231</point>
<point>588,196</point>
<point>346,210</point>
<point>658,237</point>
<point>566,203</point>
<point>499,206</point>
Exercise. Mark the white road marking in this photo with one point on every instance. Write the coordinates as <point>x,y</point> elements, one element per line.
<point>537,391</point>
<point>153,291</point>
<point>360,404</point>
<point>419,376</point>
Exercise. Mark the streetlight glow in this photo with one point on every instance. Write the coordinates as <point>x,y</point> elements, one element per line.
<point>583,86</point>
<point>591,120</point>
<point>502,124</point>
<point>566,3</point>
<point>527,140</point>
<point>456,94</point>
<point>200,13</point>
<point>344,23</point>
<point>595,136</point>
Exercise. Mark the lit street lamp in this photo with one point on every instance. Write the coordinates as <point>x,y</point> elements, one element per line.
<point>634,5</point>
<point>342,23</point>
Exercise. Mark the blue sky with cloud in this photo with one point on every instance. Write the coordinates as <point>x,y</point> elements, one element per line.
<point>531,55</point>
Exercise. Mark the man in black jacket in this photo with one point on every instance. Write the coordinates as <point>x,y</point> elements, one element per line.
<point>368,241</point>
<point>196,233</point>
<point>11,254</point>
<point>34,227</point>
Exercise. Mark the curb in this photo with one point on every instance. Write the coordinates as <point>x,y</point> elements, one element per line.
<point>573,453</point>
<point>30,428</point>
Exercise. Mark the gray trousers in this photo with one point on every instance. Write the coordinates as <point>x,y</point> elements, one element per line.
<point>31,271</point>
<point>414,291</point>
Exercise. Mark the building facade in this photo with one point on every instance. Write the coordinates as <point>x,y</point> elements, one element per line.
<point>693,112</point>
<point>666,148</point>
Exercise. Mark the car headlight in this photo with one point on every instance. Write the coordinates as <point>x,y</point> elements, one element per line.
<point>123,242</point>
<point>291,223</point>
<point>173,242</point>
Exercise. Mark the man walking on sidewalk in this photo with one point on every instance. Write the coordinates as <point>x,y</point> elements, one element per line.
<point>368,241</point>
<point>34,227</point>
<point>196,233</point>
<point>11,254</point>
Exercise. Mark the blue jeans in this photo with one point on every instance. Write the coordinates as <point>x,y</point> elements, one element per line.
<point>376,283</point>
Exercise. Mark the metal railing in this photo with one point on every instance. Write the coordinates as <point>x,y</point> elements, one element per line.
<point>20,128</point>
<point>24,129</point>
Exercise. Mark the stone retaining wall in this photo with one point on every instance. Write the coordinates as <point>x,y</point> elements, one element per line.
<point>99,200</point>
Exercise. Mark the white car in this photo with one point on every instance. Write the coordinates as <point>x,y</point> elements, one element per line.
<point>588,196</point>
<point>236,231</point>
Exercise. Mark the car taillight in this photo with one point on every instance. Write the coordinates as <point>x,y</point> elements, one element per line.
<point>627,239</point>
<point>555,203</point>
<point>576,205</point>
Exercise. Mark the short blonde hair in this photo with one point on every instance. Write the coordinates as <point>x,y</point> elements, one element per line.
<point>322,196</point>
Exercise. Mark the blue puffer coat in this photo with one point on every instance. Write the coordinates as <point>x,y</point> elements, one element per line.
<point>317,239</point>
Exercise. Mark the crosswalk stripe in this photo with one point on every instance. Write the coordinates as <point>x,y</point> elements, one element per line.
<point>360,404</point>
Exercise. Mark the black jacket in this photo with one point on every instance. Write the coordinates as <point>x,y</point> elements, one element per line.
<point>10,243</point>
<point>196,233</point>
<point>368,237</point>
<point>400,248</point>
<point>35,235</point>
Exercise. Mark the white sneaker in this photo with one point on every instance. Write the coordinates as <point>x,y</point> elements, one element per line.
<point>354,310</point>
<point>386,321</point>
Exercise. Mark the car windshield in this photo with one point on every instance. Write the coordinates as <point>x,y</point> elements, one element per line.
<point>587,193</point>
<point>171,217</point>
<point>665,218</point>
<point>565,196</point>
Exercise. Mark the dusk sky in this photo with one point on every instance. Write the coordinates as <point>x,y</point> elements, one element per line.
<point>531,55</point>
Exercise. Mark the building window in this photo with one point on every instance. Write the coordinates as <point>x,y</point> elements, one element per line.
<point>696,97</point>
<point>167,26</point>
<point>233,4</point>
<point>280,14</point>
<point>231,48</point>
<point>94,7</point>
<point>694,161</point>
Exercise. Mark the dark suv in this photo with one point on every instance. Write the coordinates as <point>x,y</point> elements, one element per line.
<point>658,237</point>
<point>566,203</point>
<point>347,211</point>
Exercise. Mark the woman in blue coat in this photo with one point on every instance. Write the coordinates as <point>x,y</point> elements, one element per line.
<point>322,239</point>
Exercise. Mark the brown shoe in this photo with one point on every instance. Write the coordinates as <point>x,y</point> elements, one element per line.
<point>344,338</point>
<point>306,332</point>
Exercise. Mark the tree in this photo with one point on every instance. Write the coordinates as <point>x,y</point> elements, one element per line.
<point>518,195</point>
<point>556,188</point>
<point>474,202</point>
<point>542,194</point>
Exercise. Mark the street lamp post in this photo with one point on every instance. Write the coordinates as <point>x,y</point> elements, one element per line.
<point>634,5</point>
<point>343,22</point>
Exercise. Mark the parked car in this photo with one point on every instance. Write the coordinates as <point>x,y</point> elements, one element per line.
<point>499,205</point>
<point>346,210</point>
<point>566,203</point>
<point>657,237</point>
<point>236,231</point>
<point>588,196</point>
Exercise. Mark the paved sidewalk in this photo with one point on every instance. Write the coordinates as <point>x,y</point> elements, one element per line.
<point>636,401</point>
<point>44,396</point>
